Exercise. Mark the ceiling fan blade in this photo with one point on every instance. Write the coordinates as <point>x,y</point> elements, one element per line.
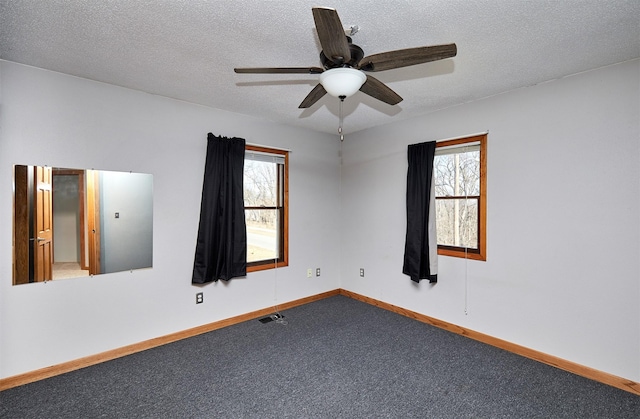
<point>280,70</point>
<point>331,33</point>
<point>406,57</point>
<point>377,89</point>
<point>313,96</point>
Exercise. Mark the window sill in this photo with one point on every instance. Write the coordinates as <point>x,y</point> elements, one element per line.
<point>462,254</point>
<point>266,266</point>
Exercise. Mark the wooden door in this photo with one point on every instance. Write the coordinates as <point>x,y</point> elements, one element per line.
<point>43,225</point>
<point>21,226</point>
<point>93,220</point>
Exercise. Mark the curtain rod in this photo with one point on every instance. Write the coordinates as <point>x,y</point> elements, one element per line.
<point>463,136</point>
<point>265,146</point>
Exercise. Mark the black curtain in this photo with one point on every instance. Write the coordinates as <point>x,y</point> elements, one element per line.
<point>418,254</point>
<point>221,249</point>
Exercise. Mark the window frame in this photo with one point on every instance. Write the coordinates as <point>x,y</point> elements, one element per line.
<point>283,182</point>
<point>463,252</point>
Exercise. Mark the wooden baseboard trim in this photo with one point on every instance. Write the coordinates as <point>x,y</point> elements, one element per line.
<point>587,372</point>
<point>47,372</point>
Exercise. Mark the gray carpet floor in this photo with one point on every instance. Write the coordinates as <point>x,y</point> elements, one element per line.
<point>334,358</point>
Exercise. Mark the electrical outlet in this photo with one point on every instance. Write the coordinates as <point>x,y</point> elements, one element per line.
<point>362,272</point>
<point>317,271</point>
<point>309,273</point>
<point>199,297</point>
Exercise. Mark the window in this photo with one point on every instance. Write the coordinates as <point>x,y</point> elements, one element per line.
<point>460,171</point>
<point>266,199</point>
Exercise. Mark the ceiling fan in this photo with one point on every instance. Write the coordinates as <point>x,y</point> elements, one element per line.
<point>343,63</point>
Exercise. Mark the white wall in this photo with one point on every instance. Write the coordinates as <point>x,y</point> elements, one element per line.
<point>563,270</point>
<point>52,119</point>
<point>126,242</point>
<point>562,274</point>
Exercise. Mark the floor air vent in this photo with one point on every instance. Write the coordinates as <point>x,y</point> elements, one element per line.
<point>276,316</point>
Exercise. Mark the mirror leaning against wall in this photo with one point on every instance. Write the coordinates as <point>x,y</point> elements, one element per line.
<point>70,223</point>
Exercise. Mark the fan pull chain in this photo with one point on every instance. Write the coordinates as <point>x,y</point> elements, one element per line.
<point>341,119</point>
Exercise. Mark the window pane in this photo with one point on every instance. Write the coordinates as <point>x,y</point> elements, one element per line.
<point>260,183</point>
<point>458,174</point>
<point>266,201</point>
<point>457,222</point>
<point>262,228</point>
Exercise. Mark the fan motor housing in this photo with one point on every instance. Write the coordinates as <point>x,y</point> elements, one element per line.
<point>356,55</point>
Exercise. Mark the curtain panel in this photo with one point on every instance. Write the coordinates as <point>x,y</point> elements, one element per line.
<point>221,248</point>
<point>421,249</point>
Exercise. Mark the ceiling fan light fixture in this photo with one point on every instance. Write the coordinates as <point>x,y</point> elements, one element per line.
<point>343,81</point>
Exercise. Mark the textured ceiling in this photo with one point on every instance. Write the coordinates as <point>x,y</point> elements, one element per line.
<point>187,49</point>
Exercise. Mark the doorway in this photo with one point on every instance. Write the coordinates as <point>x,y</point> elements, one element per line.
<point>69,230</point>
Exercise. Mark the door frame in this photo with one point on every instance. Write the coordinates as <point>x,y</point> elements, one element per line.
<point>81,211</point>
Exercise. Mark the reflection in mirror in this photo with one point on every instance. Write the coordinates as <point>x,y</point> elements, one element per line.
<point>75,222</point>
